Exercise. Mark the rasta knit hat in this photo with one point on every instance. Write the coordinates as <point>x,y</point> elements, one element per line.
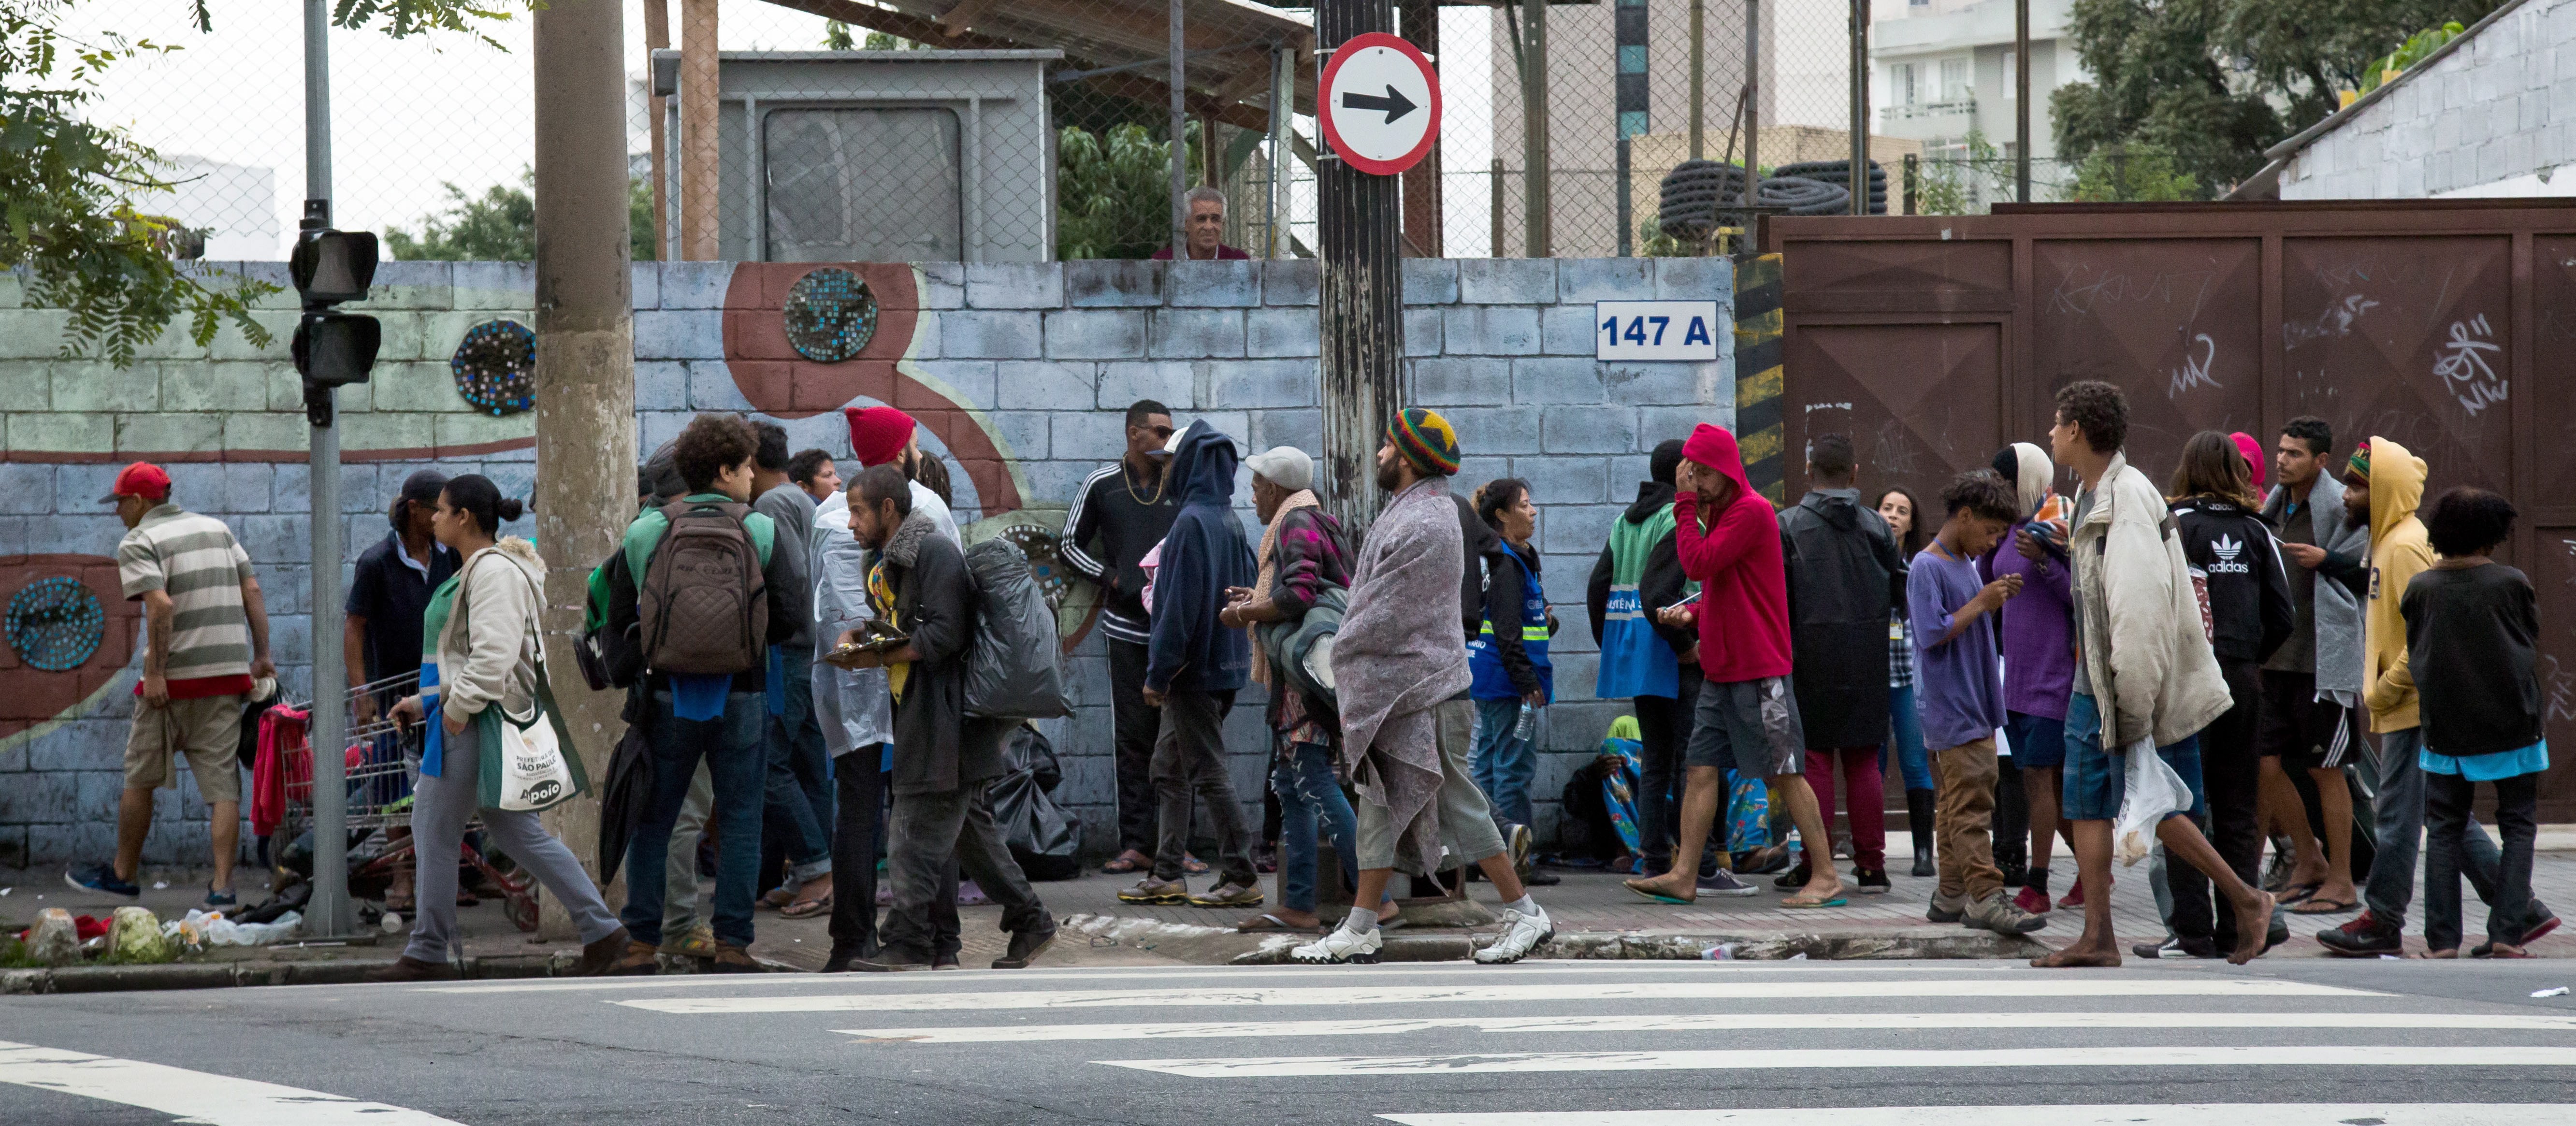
<point>1425,439</point>
<point>877,434</point>
<point>2360,463</point>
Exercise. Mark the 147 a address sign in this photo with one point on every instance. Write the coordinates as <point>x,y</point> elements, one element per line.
<point>1655,330</point>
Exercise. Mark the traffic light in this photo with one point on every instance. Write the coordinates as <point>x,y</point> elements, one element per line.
<point>331,349</point>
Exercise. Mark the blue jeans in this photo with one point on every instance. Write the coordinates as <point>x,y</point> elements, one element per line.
<point>1310,800</point>
<point>1906,730</point>
<point>737,766</point>
<point>2397,816</point>
<point>1504,764</point>
<point>2095,778</point>
<point>797,793</point>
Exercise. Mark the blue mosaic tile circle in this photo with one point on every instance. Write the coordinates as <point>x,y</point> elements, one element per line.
<point>56,624</point>
<point>496,367</point>
<point>831,315</point>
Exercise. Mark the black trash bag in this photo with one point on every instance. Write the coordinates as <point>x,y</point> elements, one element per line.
<point>290,896</point>
<point>1584,830</point>
<point>1043,837</point>
<point>1015,669</point>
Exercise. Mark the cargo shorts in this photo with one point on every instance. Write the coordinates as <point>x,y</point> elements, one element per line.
<point>207,730</point>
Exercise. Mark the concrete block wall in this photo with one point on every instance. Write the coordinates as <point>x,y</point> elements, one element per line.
<point>1039,359</point>
<point>2499,106</point>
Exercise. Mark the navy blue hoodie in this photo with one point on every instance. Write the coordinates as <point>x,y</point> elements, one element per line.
<point>1205,553</point>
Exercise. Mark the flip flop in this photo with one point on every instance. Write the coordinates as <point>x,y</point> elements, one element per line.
<point>1124,863</point>
<point>1193,865</point>
<point>1266,923</point>
<point>807,908</point>
<point>1793,904</point>
<point>1658,897</point>
<point>2297,893</point>
<point>2316,906</point>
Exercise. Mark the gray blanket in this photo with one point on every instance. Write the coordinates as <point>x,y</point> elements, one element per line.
<point>1400,651</point>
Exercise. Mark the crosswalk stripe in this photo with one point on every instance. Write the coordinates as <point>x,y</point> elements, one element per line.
<point>2197,1114</point>
<point>1697,1022</point>
<point>1229,973</point>
<point>2000,986</point>
<point>193,1096</point>
<point>1747,1059</point>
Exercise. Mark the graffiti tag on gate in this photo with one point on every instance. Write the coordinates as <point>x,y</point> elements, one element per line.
<point>2465,368</point>
<point>2194,372</point>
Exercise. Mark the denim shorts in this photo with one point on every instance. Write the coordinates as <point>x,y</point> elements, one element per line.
<point>2036,740</point>
<point>2095,780</point>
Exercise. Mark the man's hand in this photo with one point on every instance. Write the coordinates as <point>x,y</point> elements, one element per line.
<point>156,690</point>
<point>1676,616</point>
<point>407,711</point>
<point>365,702</point>
<point>2307,555</point>
<point>455,727</point>
<point>854,661</point>
<point>1686,476</point>
<point>263,668</point>
<point>1153,698</point>
<point>2028,545</point>
<point>1536,699</point>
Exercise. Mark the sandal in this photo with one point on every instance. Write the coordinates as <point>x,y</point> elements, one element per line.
<point>2299,893</point>
<point>1272,924</point>
<point>1659,897</point>
<point>1126,862</point>
<point>2315,906</point>
<point>1802,903</point>
<point>807,908</point>
<point>1193,865</point>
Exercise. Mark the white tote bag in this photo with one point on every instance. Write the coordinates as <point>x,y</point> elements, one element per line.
<point>525,761</point>
<point>2153,792</point>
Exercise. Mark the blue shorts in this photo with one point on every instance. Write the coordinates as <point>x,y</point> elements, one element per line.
<point>2096,780</point>
<point>2036,740</point>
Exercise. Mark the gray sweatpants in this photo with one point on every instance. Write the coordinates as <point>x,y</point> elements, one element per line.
<point>440,808</point>
<point>681,888</point>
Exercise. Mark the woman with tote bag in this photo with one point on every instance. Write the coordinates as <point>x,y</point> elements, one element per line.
<point>485,674</point>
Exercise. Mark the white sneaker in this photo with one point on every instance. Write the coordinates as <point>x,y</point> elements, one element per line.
<point>1521,934</point>
<point>1340,945</point>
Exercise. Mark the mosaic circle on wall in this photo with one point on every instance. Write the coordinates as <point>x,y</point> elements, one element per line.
<point>831,315</point>
<point>496,367</point>
<point>55,624</point>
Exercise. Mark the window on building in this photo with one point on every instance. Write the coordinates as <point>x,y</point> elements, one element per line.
<point>1632,122</point>
<point>1632,59</point>
<point>1954,79</point>
<point>1900,83</point>
<point>2012,76</point>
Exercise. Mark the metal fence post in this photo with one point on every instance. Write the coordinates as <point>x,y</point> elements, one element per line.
<point>1860,106</point>
<point>328,914</point>
<point>1751,241</point>
<point>1179,65</point>
<point>2021,101</point>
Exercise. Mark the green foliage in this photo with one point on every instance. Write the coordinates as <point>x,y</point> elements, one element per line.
<point>2415,50</point>
<point>2215,82</point>
<point>1114,191</point>
<point>501,225</point>
<point>836,37</point>
<point>1964,185</point>
<point>2139,172</point>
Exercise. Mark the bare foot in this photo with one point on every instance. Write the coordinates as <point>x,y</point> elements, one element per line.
<point>2453,952</point>
<point>2079,956</point>
<point>2253,922</point>
<point>1387,912</point>
<point>1301,919</point>
<point>1670,885</point>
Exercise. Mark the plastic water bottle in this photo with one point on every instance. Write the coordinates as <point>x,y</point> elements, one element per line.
<point>1527,728</point>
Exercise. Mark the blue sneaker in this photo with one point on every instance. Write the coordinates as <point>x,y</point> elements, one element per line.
<point>101,877</point>
<point>221,900</point>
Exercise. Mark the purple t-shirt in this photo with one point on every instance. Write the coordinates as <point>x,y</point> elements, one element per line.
<point>1955,684</point>
<point>2039,631</point>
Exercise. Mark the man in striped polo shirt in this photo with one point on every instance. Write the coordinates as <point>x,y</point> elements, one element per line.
<point>207,629</point>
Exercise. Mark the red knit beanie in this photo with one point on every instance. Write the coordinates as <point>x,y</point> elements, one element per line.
<point>877,434</point>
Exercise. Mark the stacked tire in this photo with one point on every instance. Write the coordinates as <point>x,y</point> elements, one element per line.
<point>1838,173</point>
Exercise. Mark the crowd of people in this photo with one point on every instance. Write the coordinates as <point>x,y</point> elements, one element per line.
<point>796,651</point>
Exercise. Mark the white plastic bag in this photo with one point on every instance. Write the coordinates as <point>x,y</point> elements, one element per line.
<point>2154,791</point>
<point>205,928</point>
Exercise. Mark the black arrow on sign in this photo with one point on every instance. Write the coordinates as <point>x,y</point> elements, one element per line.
<point>1394,103</point>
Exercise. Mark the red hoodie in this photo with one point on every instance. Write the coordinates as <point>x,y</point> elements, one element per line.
<point>1744,607</point>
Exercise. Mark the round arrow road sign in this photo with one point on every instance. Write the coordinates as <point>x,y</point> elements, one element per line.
<point>1381,103</point>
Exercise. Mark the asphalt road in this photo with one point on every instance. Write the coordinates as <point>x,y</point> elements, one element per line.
<point>1539,1044</point>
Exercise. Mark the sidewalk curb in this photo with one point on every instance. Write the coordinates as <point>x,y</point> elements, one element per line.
<point>1217,946</point>
<point>220,975</point>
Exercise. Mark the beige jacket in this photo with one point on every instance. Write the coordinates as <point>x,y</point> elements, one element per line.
<point>488,650</point>
<point>2151,667</point>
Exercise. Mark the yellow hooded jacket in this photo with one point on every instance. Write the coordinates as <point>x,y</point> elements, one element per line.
<point>2399,550</point>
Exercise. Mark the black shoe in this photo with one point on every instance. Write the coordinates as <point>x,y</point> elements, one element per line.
<point>1025,947</point>
<point>945,962</point>
<point>2363,937</point>
<point>1924,867</point>
<point>1541,878</point>
<point>2174,948</point>
<point>2015,867</point>
<point>892,959</point>
<point>1761,861</point>
<point>1872,881</point>
<point>408,968</point>
<point>1919,807</point>
<point>1793,879</point>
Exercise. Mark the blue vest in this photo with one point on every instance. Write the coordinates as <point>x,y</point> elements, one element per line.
<point>1492,682</point>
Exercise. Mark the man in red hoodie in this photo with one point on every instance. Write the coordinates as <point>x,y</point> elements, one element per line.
<point>1747,717</point>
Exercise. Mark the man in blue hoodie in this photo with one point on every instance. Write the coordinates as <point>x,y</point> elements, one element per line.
<point>1194,665</point>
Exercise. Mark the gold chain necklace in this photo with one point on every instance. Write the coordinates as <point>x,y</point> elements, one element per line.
<point>1160,483</point>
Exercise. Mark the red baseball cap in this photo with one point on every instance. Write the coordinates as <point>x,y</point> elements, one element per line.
<point>141,479</point>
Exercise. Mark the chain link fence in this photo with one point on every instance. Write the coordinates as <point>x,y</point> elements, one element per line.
<point>1015,130</point>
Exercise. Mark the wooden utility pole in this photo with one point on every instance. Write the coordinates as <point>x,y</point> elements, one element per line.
<point>1362,314</point>
<point>585,492</point>
<point>699,151</point>
<point>657,37</point>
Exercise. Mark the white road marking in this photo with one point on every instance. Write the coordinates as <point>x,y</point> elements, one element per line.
<point>1229,973</point>
<point>2001,986</point>
<point>194,1096</point>
<point>1697,1022</point>
<point>2198,1114</point>
<point>1741,1059</point>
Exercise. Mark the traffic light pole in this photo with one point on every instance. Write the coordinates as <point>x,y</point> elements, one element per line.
<point>328,914</point>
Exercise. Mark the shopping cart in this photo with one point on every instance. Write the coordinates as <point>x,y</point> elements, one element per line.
<point>381,763</point>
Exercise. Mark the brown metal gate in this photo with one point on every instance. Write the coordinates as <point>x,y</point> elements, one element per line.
<point>2448,326</point>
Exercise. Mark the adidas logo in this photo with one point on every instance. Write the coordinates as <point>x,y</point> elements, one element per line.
<point>2227,549</point>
